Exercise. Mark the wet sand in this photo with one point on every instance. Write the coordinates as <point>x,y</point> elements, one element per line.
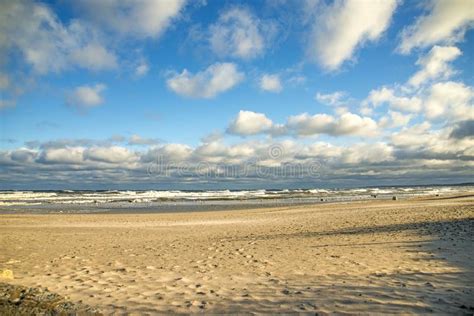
<point>410,256</point>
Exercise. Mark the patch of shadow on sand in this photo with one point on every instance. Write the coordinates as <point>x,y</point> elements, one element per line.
<point>384,294</point>
<point>451,229</point>
<point>448,241</point>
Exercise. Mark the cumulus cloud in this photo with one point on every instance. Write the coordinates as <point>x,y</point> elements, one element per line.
<point>144,18</point>
<point>306,124</point>
<point>344,26</point>
<point>208,83</point>
<point>387,95</point>
<point>332,99</point>
<point>426,93</point>
<point>95,57</point>
<point>112,154</point>
<point>86,96</point>
<point>446,22</point>
<point>45,43</point>
<point>168,153</point>
<point>23,155</point>
<point>421,142</point>
<point>413,136</point>
<point>415,152</point>
<point>435,65</point>
<point>250,123</point>
<point>395,119</point>
<point>67,155</point>
<point>346,124</point>
<point>271,83</point>
<point>238,33</point>
<point>452,100</point>
<point>81,155</point>
<point>367,153</point>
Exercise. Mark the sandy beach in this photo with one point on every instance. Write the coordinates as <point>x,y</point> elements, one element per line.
<point>411,256</point>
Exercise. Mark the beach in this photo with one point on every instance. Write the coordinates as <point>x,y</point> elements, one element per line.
<point>411,256</point>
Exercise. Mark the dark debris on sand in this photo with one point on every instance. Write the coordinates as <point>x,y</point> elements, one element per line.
<point>21,300</point>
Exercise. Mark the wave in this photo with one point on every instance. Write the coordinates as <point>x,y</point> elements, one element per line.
<point>155,196</point>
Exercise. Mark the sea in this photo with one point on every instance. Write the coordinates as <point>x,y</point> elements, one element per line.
<point>149,201</point>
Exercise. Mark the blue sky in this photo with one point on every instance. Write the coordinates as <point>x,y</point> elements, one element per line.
<point>371,91</point>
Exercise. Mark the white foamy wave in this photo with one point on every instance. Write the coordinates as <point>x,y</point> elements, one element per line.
<point>12,198</point>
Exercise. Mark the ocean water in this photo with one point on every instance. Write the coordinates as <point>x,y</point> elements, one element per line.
<point>67,201</point>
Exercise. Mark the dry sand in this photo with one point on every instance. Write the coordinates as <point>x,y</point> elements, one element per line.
<point>361,257</point>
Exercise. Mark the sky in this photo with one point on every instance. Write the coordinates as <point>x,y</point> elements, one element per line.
<point>176,94</point>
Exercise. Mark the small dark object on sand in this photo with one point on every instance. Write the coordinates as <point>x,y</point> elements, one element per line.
<point>21,300</point>
<point>394,198</point>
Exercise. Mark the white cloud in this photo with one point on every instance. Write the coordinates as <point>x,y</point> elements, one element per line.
<point>346,124</point>
<point>306,124</point>
<point>250,123</point>
<point>421,142</point>
<point>168,153</point>
<point>94,57</point>
<point>413,136</point>
<point>387,95</point>
<point>210,149</point>
<point>395,119</point>
<point>323,150</point>
<point>216,79</point>
<point>78,155</point>
<point>452,100</point>
<point>332,99</point>
<point>238,33</point>
<point>446,22</point>
<point>217,152</point>
<point>67,155</point>
<point>142,18</point>
<point>435,65</point>
<point>346,25</point>
<point>45,43</point>
<point>112,154</point>
<point>271,83</point>
<point>367,153</point>
<point>427,92</point>
<point>86,96</point>
<point>413,153</point>
<point>445,100</point>
<point>353,124</point>
<point>141,69</point>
